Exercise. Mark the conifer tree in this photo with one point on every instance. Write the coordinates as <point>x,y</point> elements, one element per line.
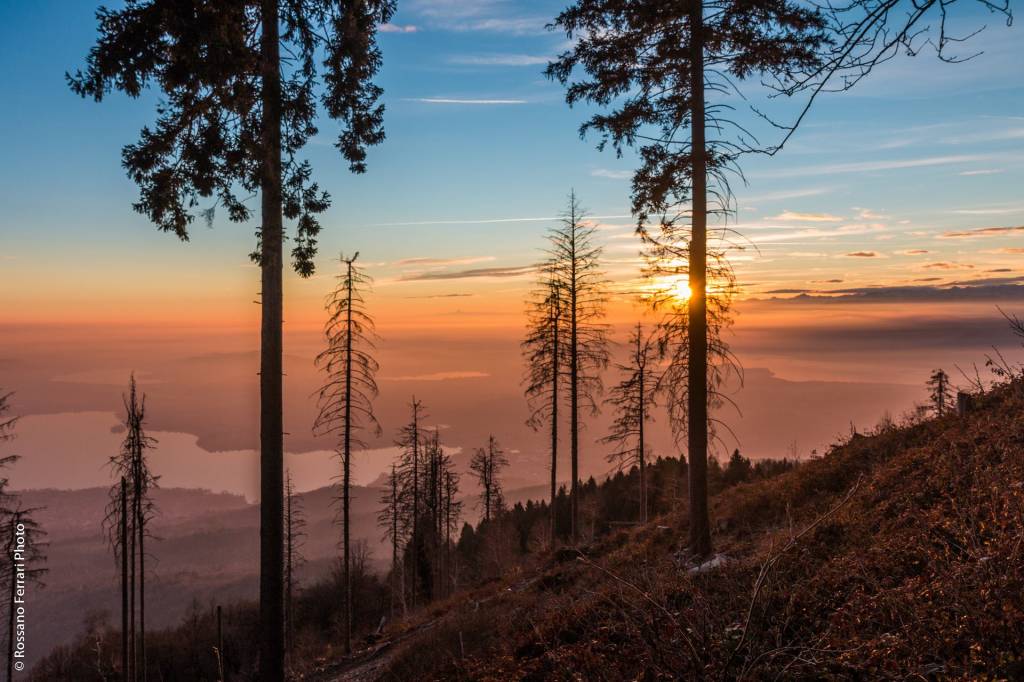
<point>410,441</point>
<point>233,119</point>
<point>573,263</point>
<point>939,392</point>
<point>542,350</point>
<point>394,522</point>
<point>294,535</point>
<point>651,67</point>
<point>632,399</point>
<point>487,464</point>
<point>132,465</point>
<point>346,398</point>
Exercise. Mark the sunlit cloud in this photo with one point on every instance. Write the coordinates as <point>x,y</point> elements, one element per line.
<point>948,265</point>
<point>518,271</point>
<point>807,217</point>
<point>915,252</point>
<point>862,254</point>
<point>982,232</point>
<point>990,211</point>
<point>442,261</point>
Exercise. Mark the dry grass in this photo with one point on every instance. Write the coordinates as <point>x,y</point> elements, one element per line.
<point>898,554</point>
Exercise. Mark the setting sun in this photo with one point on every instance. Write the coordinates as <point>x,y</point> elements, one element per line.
<point>681,290</point>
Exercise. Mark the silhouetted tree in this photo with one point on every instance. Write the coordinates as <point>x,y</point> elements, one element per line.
<point>131,464</point>
<point>486,465</point>
<point>632,399</point>
<point>652,63</point>
<point>574,265</point>
<point>542,349</point>
<point>410,441</point>
<point>294,535</point>
<point>452,515</point>
<point>395,527</point>
<point>939,392</point>
<point>234,117</point>
<point>346,398</point>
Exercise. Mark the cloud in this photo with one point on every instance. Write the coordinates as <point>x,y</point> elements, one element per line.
<point>915,252</point>
<point>868,214</point>
<point>1008,250</point>
<point>443,261</point>
<point>990,211</point>
<point>612,174</point>
<point>468,274</point>
<point>500,60</point>
<point>862,254</point>
<point>440,376</point>
<point>946,265</point>
<point>982,171</point>
<point>398,28</point>
<point>808,217</point>
<point>826,281</point>
<point>807,254</point>
<point>454,295</point>
<point>982,232</point>
<point>873,166</point>
<point>991,289</point>
<point>456,100</point>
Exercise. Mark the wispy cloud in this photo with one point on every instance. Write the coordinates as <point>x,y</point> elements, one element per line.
<point>442,261</point>
<point>948,265</point>
<point>982,232</point>
<point>982,171</point>
<point>457,100</point>
<point>807,217</point>
<point>612,174</point>
<point>862,254</point>
<point>915,252</point>
<point>398,28</point>
<point>516,271</point>
<point>500,60</point>
<point>1007,250</point>
<point>452,295</point>
<point>874,166</point>
<point>990,211</point>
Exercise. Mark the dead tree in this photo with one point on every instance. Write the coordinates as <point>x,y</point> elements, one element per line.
<point>452,515</point>
<point>573,262</point>
<point>487,464</point>
<point>394,522</point>
<point>294,535</point>
<point>632,399</point>
<point>940,392</point>
<point>542,350</point>
<point>410,442</point>
<point>346,398</point>
<point>127,527</point>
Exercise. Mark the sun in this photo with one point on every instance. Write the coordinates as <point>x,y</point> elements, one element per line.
<point>681,290</point>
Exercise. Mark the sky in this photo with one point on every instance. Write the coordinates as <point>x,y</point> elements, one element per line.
<point>880,240</point>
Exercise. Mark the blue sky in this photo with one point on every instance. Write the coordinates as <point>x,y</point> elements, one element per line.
<point>476,133</point>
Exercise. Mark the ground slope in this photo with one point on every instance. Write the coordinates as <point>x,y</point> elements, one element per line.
<point>898,554</point>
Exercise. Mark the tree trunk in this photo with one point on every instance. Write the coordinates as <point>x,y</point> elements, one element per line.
<point>271,350</point>
<point>415,501</point>
<point>640,454</point>
<point>574,426</point>
<point>140,521</point>
<point>125,660</point>
<point>697,394</point>
<point>132,644</point>
<point>555,368</point>
<point>347,464</point>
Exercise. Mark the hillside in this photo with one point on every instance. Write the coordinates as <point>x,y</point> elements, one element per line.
<point>897,554</point>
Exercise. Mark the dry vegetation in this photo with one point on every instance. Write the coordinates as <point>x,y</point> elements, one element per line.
<point>897,554</point>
